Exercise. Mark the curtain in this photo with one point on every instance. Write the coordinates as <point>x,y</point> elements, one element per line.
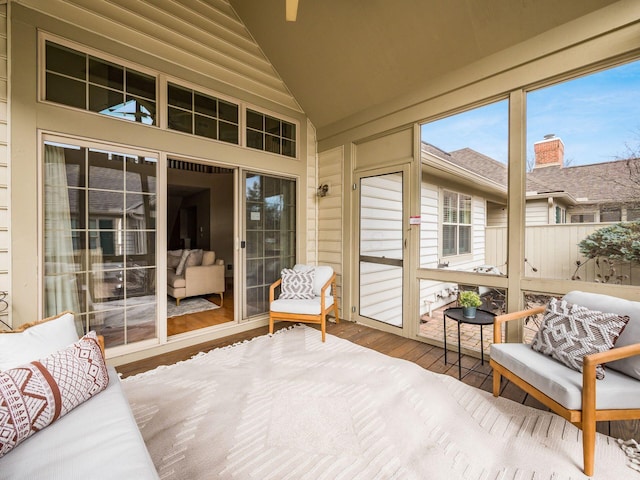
<point>61,289</point>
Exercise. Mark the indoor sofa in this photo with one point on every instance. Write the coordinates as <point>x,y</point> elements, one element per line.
<point>194,272</point>
<point>97,439</point>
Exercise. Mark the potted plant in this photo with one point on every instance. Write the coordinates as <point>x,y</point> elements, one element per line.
<point>469,301</point>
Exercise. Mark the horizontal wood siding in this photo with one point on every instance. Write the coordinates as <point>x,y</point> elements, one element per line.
<point>5,241</point>
<point>311,217</point>
<point>330,214</point>
<point>537,212</point>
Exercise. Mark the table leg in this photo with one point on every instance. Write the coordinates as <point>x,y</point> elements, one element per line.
<point>481,346</point>
<point>459,355</point>
<point>444,328</point>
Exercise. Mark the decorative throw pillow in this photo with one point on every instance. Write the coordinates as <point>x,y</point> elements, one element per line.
<point>296,285</point>
<point>37,340</point>
<point>183,262</point>
<point>569,332</point>
<point>195,258</point>
<point>34,395</point>
<point>173,258</point>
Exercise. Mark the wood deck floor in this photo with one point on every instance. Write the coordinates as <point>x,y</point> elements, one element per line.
<point>427,356</point>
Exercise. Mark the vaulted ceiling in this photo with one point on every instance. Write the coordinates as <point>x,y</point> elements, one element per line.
<point>342,57</point>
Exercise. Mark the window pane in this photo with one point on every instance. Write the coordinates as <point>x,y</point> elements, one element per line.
<point>106,170</point>
<point>180,120</point>
<point>288,130</point>
<point>288,148</point>
<point>66,91</point>
<point>102,100</point>
<point>66,61</point>
<point>463,193</point>
<point>448,240</point>
<point>106,74</point>
<point>205,104</point>
<point>584,159</point>
<point>228,132</point>
<point>140,110</point>
<point>272,125</point>
<point>228,111</point>
<point>272,144</point>
<point>255,120</point>
<point>206,127</point>
<point>180,97</point>
<point>254,139</point>
<point>141,85</point>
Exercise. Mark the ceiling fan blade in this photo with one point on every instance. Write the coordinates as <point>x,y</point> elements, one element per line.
<point>291,10</point>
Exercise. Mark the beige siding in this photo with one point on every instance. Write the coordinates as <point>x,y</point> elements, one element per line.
<point>311,226</point>
<point>537,212</point>
<point>5,241</point>
<point>330,213</point>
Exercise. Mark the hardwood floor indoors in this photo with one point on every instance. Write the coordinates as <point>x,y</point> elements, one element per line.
<point>207,318</point>
<point>427,356</point>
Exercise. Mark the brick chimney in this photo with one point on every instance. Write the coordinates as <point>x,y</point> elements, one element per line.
<point>549,152</point>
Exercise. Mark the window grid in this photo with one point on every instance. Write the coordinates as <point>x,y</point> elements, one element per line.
<point>270,134</point>
<point>197,113</point>
<point>80,80</point>
<point>456,224</point>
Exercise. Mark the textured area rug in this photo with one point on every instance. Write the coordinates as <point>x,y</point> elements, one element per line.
<point>288,406</point>
<point>188,305</point>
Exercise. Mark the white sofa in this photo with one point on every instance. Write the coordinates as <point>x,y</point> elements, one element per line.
<point>201,274</point>
<point>98,440</point>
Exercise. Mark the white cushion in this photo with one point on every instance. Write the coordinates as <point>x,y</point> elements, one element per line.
<point>564,384</point>
<point>322,275</point>
<point>630,334</point>
<point>305,307</point>
<point>37,341</point>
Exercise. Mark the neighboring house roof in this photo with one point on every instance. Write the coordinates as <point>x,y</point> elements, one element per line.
<point>603,182</point>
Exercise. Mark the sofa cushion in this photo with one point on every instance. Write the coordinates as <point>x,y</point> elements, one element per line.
<point>208,258</point>
<point>37,341</point>
<point>563,384</point>
<point>296,285</point>
<point>569,332</point>
<point>36,394</point>
<point>305,307</point>
<point>173,258</point>
<point>631,333</point>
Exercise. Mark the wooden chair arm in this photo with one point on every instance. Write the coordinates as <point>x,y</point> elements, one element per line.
<point>507,317</point>
<point>324,289</point>
<point>611,355</point>
<point>272,289</point>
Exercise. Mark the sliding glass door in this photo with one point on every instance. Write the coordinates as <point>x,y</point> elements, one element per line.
<point>100,239</point>
<point>269,243</point>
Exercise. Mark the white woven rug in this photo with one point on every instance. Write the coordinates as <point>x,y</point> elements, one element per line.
<point>288,406</point>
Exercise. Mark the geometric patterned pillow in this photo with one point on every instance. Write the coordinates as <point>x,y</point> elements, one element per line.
<point>34,395</point>
<point>297,285</point>
<point>569,332</point>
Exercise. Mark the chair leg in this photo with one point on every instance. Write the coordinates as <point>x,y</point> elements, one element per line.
<point>323,327</point>
<point>588,442</point>
<point>221,298</point>
<point>270,324</point>
<point>177,302</point>
<point>496,383</point>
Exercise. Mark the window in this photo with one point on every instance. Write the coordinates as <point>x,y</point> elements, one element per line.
<point>83,81</point>
<point>633,214</point>
<point>456,224</point>
<point>193,112</point>
<point>99,240</point>
<point>610,214</point>
<point>561,215</point>
<point>270,134</point>
<point>582,218</point>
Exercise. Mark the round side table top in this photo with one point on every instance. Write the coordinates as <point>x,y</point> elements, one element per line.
<point>483,317</point>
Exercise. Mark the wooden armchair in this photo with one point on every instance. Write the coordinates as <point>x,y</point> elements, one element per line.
<point>577,397</point>
<point>307,310</point>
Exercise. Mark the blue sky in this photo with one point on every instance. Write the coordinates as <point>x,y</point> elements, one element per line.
<point>596,116</point>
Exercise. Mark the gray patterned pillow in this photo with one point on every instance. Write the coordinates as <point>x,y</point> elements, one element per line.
<point>297,285</point>
<point>569,332</point>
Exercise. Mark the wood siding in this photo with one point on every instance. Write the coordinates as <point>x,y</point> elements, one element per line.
<point>5,240</point>
<point>330,214</point>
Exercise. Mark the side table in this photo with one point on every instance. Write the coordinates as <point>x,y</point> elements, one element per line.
<point>482,318</point>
